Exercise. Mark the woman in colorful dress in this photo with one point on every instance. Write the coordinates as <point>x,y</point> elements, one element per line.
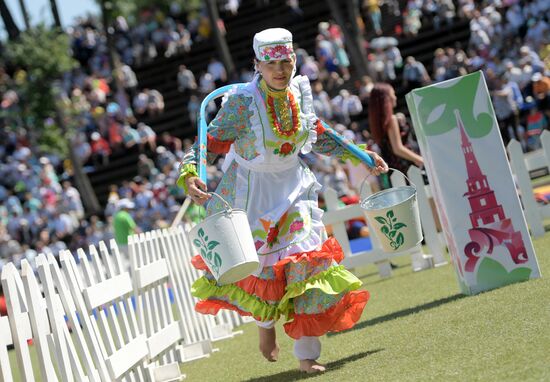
<point>261,128</point>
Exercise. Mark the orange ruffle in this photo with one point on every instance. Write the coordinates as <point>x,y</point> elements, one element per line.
<point>330,250</point>
<point>199,263</point>
<point>267,290</point>
<point>214,306</point>
<point>339,317</point>
<point>217,146</point>
<point>320,128</point>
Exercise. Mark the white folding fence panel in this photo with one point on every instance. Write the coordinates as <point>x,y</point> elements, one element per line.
<point>521,164</point>
<point>19,325</point>
<point>76,355</point>
<point>219,326</point>
<point>103,297</point>
<point>150,275</point>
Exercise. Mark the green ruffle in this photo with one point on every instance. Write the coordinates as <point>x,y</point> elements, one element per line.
<point>186,170</point>
<point>348,155</point>
<point>334,280</point>
<point>204,289</point>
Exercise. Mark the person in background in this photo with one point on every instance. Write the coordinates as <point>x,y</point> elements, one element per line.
<point>123,227</point>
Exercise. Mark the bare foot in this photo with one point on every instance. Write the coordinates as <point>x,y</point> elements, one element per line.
<point>268,344</point>
<point>311,366</point>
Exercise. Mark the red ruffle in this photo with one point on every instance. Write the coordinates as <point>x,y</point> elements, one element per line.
<point>199,263</point>
<point>339,317</point>
<point>267,290</point>
<point>214,306</point>
<point>320,128</point>
<point>330,250</point>
<point>217,146</point>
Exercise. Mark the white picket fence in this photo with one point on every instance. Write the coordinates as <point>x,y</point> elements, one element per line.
<point>522,164</point>
<point>92,320</point>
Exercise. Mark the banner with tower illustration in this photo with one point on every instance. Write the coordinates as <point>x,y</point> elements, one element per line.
<point>476,198</point>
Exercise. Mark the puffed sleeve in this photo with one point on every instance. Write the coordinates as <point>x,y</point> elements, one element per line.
<point>223,130</point>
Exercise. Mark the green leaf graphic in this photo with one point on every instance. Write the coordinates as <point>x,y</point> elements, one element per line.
<point>389,214</point>
<point>399,225</point>
<point>381,220</point>
<point>392,233</point>
<point>201,232</point>
<point>197,243</point>
<point>212,244</point>
<point>399,239</point>
<point>385,230</point>
<point>217,260</point>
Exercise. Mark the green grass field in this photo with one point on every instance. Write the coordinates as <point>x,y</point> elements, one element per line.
<point>416,327</point>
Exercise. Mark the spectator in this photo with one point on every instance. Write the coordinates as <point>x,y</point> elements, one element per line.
<point>100,149</point>
<point>536,124</point>
<point>414,74</point>
<point>217,70</point>
<point>124,226</point>
<point>155,102</point>
<point>186,79</point>
<point>147,137</point>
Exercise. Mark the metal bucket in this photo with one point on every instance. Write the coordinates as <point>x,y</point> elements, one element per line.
<point>394,218</point>
<point>225,243</point>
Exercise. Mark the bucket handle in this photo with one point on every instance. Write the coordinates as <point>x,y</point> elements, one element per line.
<point>390,168</point>
<point>227,205</point>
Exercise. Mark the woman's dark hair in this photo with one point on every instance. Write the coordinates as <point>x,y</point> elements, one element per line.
<point>380,110</point>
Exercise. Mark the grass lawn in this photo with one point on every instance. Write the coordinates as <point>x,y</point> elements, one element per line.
<point>416,327</point>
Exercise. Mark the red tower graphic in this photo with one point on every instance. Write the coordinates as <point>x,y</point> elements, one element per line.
<point>490,226</point>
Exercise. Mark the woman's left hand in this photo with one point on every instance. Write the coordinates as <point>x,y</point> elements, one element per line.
<point>381,167</point>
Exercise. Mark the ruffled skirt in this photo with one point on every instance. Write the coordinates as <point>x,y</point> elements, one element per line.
<point>310,290</point>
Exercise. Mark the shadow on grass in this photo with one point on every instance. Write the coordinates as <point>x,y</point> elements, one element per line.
<point>297,375</point>
<point>402,313</point>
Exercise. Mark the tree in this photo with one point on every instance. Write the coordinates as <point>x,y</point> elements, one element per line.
<point>55,13</point>
<point>9,23</point>
<point>43,55</point>
<point>25,14</point>
<point>219,38</point>
<point>353,38</point>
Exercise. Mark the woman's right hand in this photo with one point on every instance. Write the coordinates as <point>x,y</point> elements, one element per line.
<point>196,190</point>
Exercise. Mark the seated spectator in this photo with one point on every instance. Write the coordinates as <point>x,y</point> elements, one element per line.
<point>146,167</point>
<point>414,74</point>
<point>140,102</point>
<point>155,102</point>
<point>186,79</point>
<point>536,124</point>
<point>541,91</point>
<point>131,136</point>
<point>147,136</point>
<point>171,142</point>
<point>82,148</point>
<point>100,149</point>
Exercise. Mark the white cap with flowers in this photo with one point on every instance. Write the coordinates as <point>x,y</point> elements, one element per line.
<point>273,44</point>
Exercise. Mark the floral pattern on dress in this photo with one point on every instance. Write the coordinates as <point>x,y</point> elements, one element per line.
<point>288,229</point>
<point>226,189</point>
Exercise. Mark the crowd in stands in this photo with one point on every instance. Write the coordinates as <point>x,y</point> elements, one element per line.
<point>41,210</point>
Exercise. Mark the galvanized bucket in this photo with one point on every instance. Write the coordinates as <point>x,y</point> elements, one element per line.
<point>225,243</point>
<point>393,216</point>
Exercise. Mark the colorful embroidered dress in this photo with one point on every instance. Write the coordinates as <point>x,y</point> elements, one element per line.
<point>300,277</point>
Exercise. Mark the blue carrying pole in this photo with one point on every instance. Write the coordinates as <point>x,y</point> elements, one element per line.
<point>203,127</point>
<point>349,145</point>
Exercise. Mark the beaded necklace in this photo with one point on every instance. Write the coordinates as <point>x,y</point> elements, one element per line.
<point>287,125</point>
